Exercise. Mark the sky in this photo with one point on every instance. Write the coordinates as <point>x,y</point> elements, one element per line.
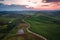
<point>35,4</point>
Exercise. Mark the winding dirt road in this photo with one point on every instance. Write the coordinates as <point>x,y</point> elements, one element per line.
<point>33,32</point>
<point>26,36</point>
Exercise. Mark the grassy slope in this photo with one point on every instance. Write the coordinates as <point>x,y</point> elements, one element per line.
<point>3,19</point>
<point>43,25</point>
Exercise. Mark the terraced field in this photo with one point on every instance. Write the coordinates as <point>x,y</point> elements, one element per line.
<point>45,26</point>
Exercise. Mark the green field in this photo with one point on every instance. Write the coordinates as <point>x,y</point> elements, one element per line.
<point>5,21</point>
<point>45,26</point>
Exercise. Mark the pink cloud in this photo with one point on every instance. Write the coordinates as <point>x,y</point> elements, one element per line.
<point>51,6</point>
<point>36,4</point>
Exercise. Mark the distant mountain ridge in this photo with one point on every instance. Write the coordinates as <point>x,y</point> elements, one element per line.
<point>34,12</point>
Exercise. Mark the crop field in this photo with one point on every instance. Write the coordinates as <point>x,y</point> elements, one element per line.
<point>45,26</point>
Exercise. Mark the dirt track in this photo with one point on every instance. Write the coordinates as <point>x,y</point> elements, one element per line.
<point>29,34</point>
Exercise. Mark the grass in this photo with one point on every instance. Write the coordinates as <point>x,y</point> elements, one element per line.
<point>4,22</point>
<point>4,19</point>
<point>3,27</point>
<point>44,26</point>
<point>11,33</point>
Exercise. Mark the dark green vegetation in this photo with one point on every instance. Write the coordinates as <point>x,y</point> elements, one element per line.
<point>7,23</point>
<point>5,28</point>
<point>45,26</point>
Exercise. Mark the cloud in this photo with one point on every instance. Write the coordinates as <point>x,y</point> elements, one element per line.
<point>51,6</point>
<point>35,4</point>
<point>52,0</point>
<point>1,0</point>
<point>13,7</point>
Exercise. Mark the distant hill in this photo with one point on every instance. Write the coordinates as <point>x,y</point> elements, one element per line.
<point>34,12</point>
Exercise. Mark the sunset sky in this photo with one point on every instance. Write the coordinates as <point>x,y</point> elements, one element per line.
<point>35,4</point>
